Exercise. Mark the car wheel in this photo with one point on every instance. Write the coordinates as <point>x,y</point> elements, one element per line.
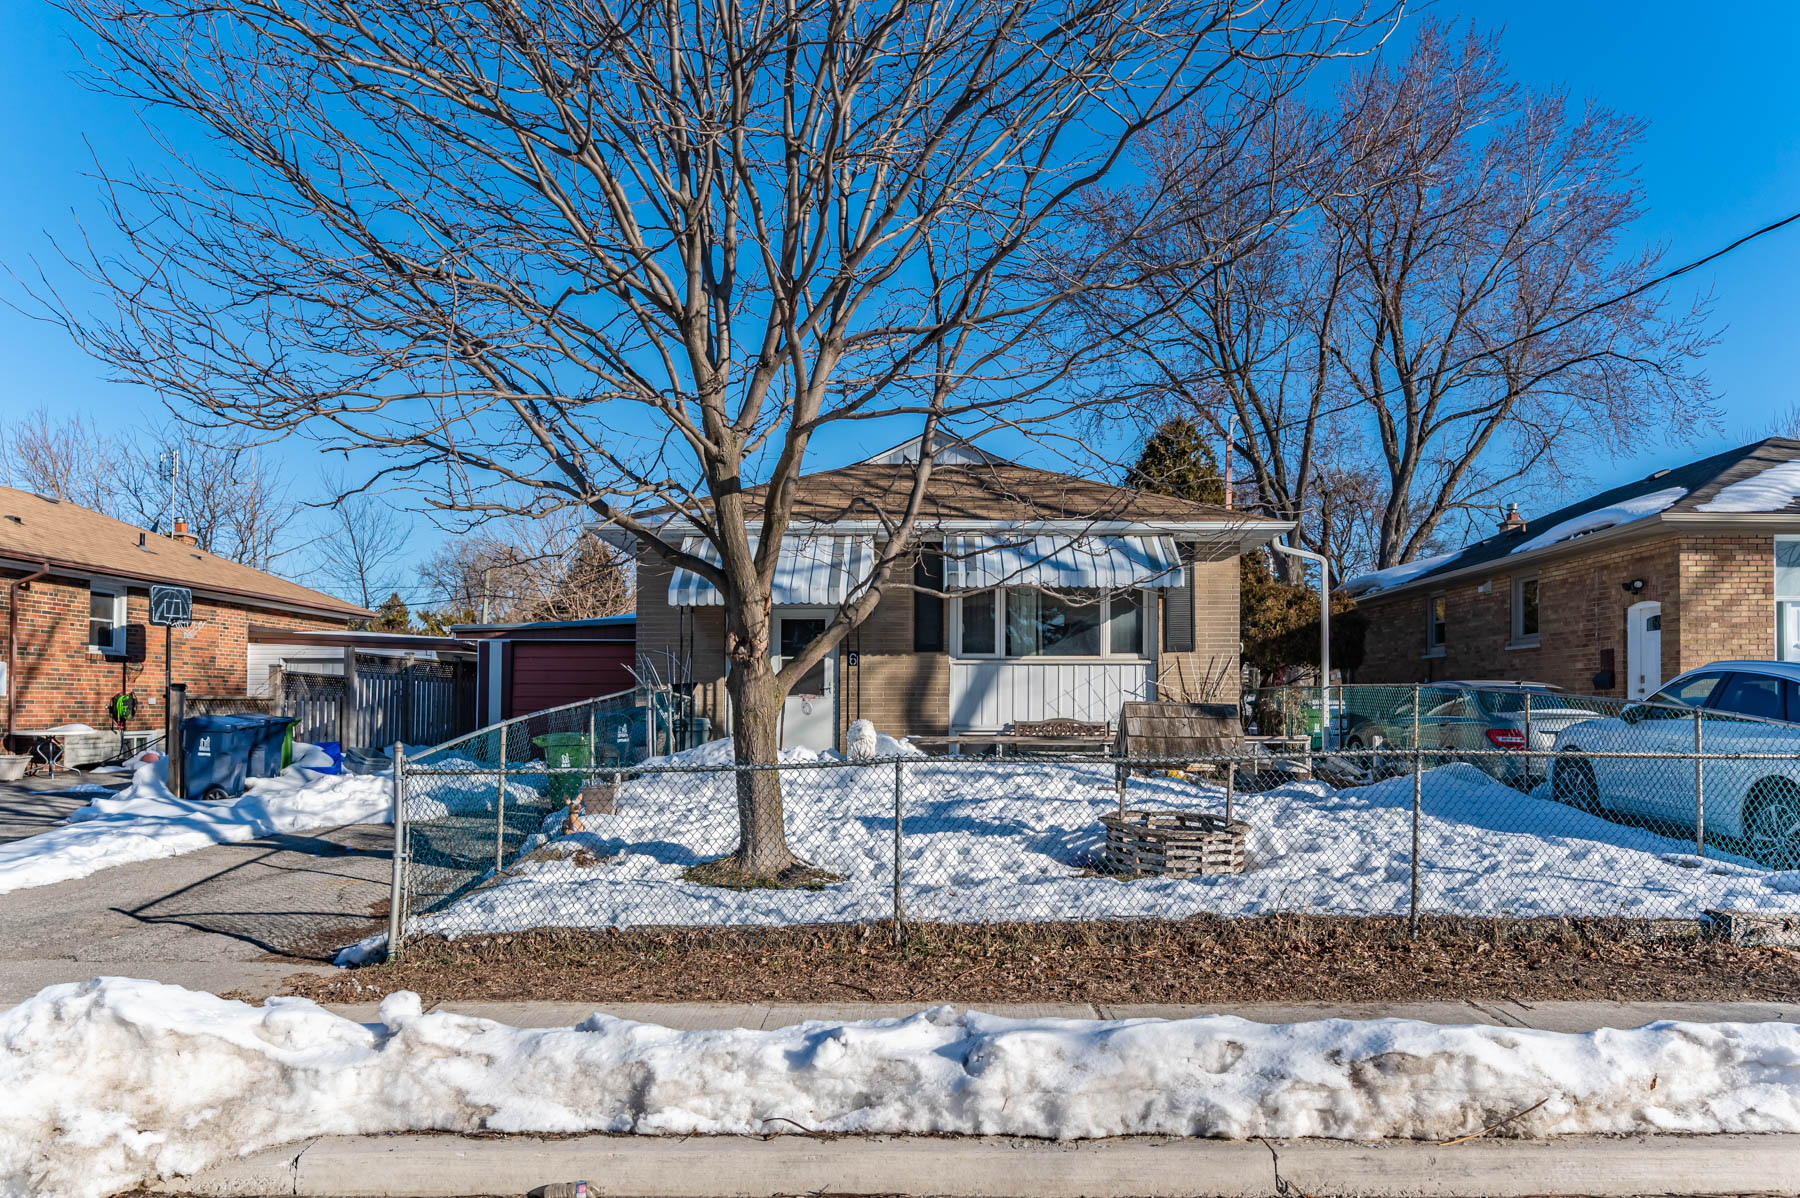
<point>215,795</point>
<point>1572,782</point>
<point>1772,823</point>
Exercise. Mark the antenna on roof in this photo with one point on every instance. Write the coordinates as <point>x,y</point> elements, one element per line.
<point>168,468</point>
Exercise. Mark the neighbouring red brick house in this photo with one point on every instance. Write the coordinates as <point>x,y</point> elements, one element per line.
<point>82,620</point>
<point>1612,595</point>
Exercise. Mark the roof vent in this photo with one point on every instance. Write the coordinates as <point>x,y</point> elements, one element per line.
<point>1512,521</point>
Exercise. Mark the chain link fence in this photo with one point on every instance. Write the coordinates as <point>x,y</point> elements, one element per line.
<point>1391,801</point>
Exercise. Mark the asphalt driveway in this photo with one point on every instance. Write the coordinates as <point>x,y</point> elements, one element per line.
<point>280,902</point>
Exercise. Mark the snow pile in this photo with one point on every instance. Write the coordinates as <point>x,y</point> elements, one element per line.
<point>1380,580</point>
<point>109,1083</point>
<point>1014,839</point>
<point>1624,512</point>
<point>1771,490</point>
<point>145,821</point>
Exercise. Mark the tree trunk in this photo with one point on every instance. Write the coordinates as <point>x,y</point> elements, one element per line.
<point>762,850</point>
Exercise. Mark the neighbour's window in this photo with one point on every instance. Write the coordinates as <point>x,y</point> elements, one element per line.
<point>1752,694</point>
<point>1437,619</point>
<point>106,618</point>
<point>1787,598</point>
<point>1525,611</point>
<point>1689,692</point>
<point>928,610</point>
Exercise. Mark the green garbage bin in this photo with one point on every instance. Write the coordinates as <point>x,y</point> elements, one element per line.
<point>563,750</point>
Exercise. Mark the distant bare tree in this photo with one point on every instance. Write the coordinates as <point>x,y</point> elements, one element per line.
<point>64,458</point>
<point>1424,298</point>
<point>358,554</point>
<point>520,569</point>
<point>233,497</point>
<point>630,256</point>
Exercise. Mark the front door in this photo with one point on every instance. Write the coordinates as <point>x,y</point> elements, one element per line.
<point>809,713</point>
<point>1643,649</point>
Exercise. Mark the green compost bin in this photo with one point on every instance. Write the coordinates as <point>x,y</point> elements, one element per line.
<point>564,750</point>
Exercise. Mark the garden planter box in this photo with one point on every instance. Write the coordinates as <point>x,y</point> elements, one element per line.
<point>1173,844</point>
<point>12,767</point>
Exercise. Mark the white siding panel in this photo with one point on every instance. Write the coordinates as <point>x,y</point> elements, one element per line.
<point>988,695</point>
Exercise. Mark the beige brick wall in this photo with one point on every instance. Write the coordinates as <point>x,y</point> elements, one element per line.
<point>1717,596</point>
<point>901,692</point>
<point>1728,600</point>
<point>1212,672</point>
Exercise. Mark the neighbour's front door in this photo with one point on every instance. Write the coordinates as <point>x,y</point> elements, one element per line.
<point>809,713</point>
<point>1643,649</point>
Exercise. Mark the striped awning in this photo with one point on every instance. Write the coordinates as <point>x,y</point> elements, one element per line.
<point>811,571</point>
<point>1061,562</point>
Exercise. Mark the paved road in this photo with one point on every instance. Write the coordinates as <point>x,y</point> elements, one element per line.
<point>37,804</point>
<point>283,901</point>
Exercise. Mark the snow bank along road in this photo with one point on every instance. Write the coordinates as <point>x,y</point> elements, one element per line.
<point>112,1082</point>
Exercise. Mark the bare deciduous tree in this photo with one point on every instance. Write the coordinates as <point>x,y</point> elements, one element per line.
<point>233,498</point>
<point>630,256</point>
<point>359,554</point>
<point>1421,297</point>
<point>521,569</point>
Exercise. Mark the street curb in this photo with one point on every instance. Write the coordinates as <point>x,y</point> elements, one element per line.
<point>447,1166</point>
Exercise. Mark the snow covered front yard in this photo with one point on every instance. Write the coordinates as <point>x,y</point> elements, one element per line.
<point>986,840</point>
<point>112,1082</point>
<point>146,821</point>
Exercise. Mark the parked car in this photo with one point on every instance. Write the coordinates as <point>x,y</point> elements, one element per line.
<point>1747,707</point>
<point>1484,716</point>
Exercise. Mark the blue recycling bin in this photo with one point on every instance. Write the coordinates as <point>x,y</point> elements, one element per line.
<point>266,749</point>
<point>215,754</point>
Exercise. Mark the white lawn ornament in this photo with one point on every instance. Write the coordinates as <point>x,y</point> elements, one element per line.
<point>859,741</point>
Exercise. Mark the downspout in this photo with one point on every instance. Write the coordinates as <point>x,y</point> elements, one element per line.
<point>12,648</point>
<point>1324,631</point>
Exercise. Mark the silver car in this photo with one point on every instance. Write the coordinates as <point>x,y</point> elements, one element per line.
<point>1523,718</point>
<point>1745,712</point>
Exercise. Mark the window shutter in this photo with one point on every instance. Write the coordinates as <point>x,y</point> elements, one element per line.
<point>1178,613</point>
<point>928,610</point>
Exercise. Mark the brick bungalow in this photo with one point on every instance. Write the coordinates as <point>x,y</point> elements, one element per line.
<point>1067,596</point>
<point>75,631</point>
<point>1609,596</point>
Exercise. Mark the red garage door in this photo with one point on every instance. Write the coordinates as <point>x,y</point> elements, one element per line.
<point>552,673</point>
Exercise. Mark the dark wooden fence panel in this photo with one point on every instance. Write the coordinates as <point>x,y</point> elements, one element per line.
<point>422,703</point>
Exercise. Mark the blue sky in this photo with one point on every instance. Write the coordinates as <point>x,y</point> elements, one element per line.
<point>1721,157</point>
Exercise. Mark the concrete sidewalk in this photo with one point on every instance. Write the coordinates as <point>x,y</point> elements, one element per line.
<point>995,1167</point>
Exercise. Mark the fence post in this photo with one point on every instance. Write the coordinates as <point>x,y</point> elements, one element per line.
<point>500,807</point>
<point>397,895</point>
<point>1412,919</point>
<point>1230,786</point>
<point>899,908</point>
<point>1699,792</point>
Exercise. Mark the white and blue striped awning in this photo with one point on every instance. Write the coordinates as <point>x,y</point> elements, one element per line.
<point>811,571</point>
<point>1061,562</point>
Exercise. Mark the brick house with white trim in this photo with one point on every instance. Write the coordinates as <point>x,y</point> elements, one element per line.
<point>1611,595</point>
<point>74,615</point>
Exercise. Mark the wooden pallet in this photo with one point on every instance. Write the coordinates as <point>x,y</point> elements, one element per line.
<point>1173,844</point>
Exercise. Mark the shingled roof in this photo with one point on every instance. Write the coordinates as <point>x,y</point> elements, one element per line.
<point>71,538</point>
<point>1755,483</point>
<point>998,491</point>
